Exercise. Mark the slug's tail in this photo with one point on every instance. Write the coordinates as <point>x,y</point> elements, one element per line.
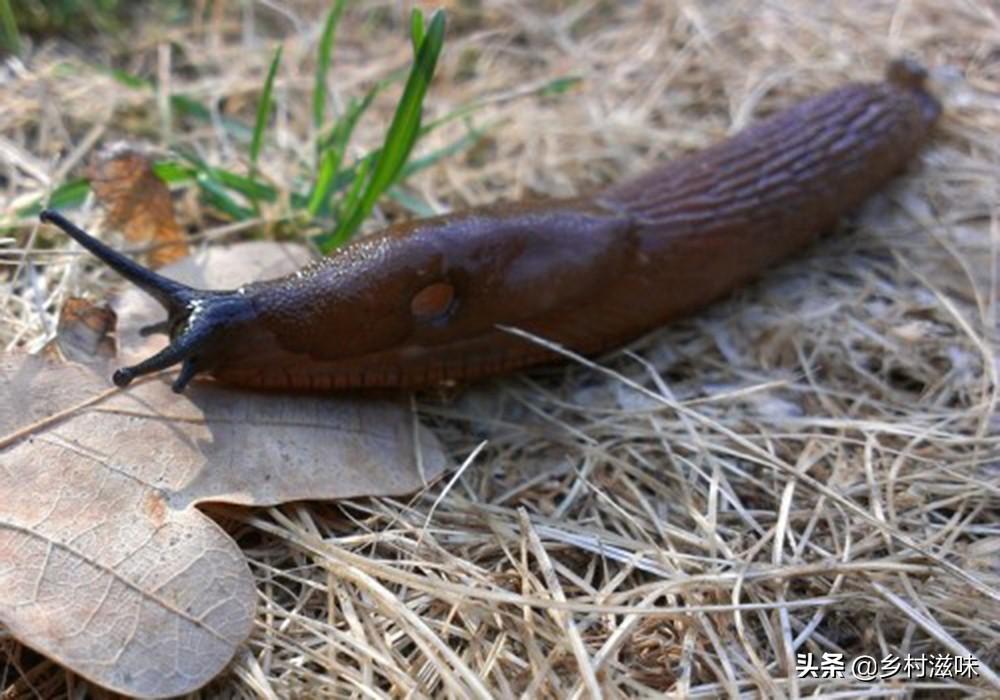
<point>799,169</point>
<point>910,75</point>
<point>195,317</point>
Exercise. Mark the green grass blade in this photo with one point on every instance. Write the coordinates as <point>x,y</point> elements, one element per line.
<point>326,175</point>
<point>416,29</point>
<point>129,80</point>
<point>213,188</point>
<point>248,187</point>
<point>402,132</point>
<point>333,147</point>
<point>328,241</point>
<point>10,38</point>
<point>69,194</point>
<point>405,125</point>
<point>339,136</point>
<point>323,61</point>
<point>357,187</point>
<point>172,172</point>
<point>346,177</point>
<point>263,110</point>
<point>215,194</point>
<point>558,86</point>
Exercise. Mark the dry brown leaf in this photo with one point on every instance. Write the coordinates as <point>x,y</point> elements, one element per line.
<point>84,331</point>
<point>138,202</point>
<point>105,563</point>
<point>96,569</point>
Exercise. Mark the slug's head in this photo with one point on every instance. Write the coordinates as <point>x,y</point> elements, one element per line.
<point>197,320</point>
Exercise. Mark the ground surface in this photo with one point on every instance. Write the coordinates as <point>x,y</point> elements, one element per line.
<point>810,467</point>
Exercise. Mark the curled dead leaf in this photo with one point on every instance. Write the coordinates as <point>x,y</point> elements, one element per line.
<point>137,202</point>
<point>84,331</point>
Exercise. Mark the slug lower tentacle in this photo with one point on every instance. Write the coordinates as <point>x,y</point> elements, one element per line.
<point>419,304</point>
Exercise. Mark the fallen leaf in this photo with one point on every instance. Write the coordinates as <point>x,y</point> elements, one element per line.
<point>106,565</point>
<point>96,571</point>
<point>84,331</point>
<point>137,202</point>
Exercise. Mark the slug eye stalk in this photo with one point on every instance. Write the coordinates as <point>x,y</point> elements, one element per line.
<point>195,317</point>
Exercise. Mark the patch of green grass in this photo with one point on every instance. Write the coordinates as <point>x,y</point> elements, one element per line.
<point>345,194</point>
<point>401,137</point>
<point>332,195</point>
<point>331,150</point>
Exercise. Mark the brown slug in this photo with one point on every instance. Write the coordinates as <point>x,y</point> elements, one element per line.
<point>419,303</point>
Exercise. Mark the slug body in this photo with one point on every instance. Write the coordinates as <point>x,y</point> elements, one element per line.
<point>420,303</point>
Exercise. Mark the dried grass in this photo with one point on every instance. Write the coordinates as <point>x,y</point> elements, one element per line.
<point>810,466</point>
